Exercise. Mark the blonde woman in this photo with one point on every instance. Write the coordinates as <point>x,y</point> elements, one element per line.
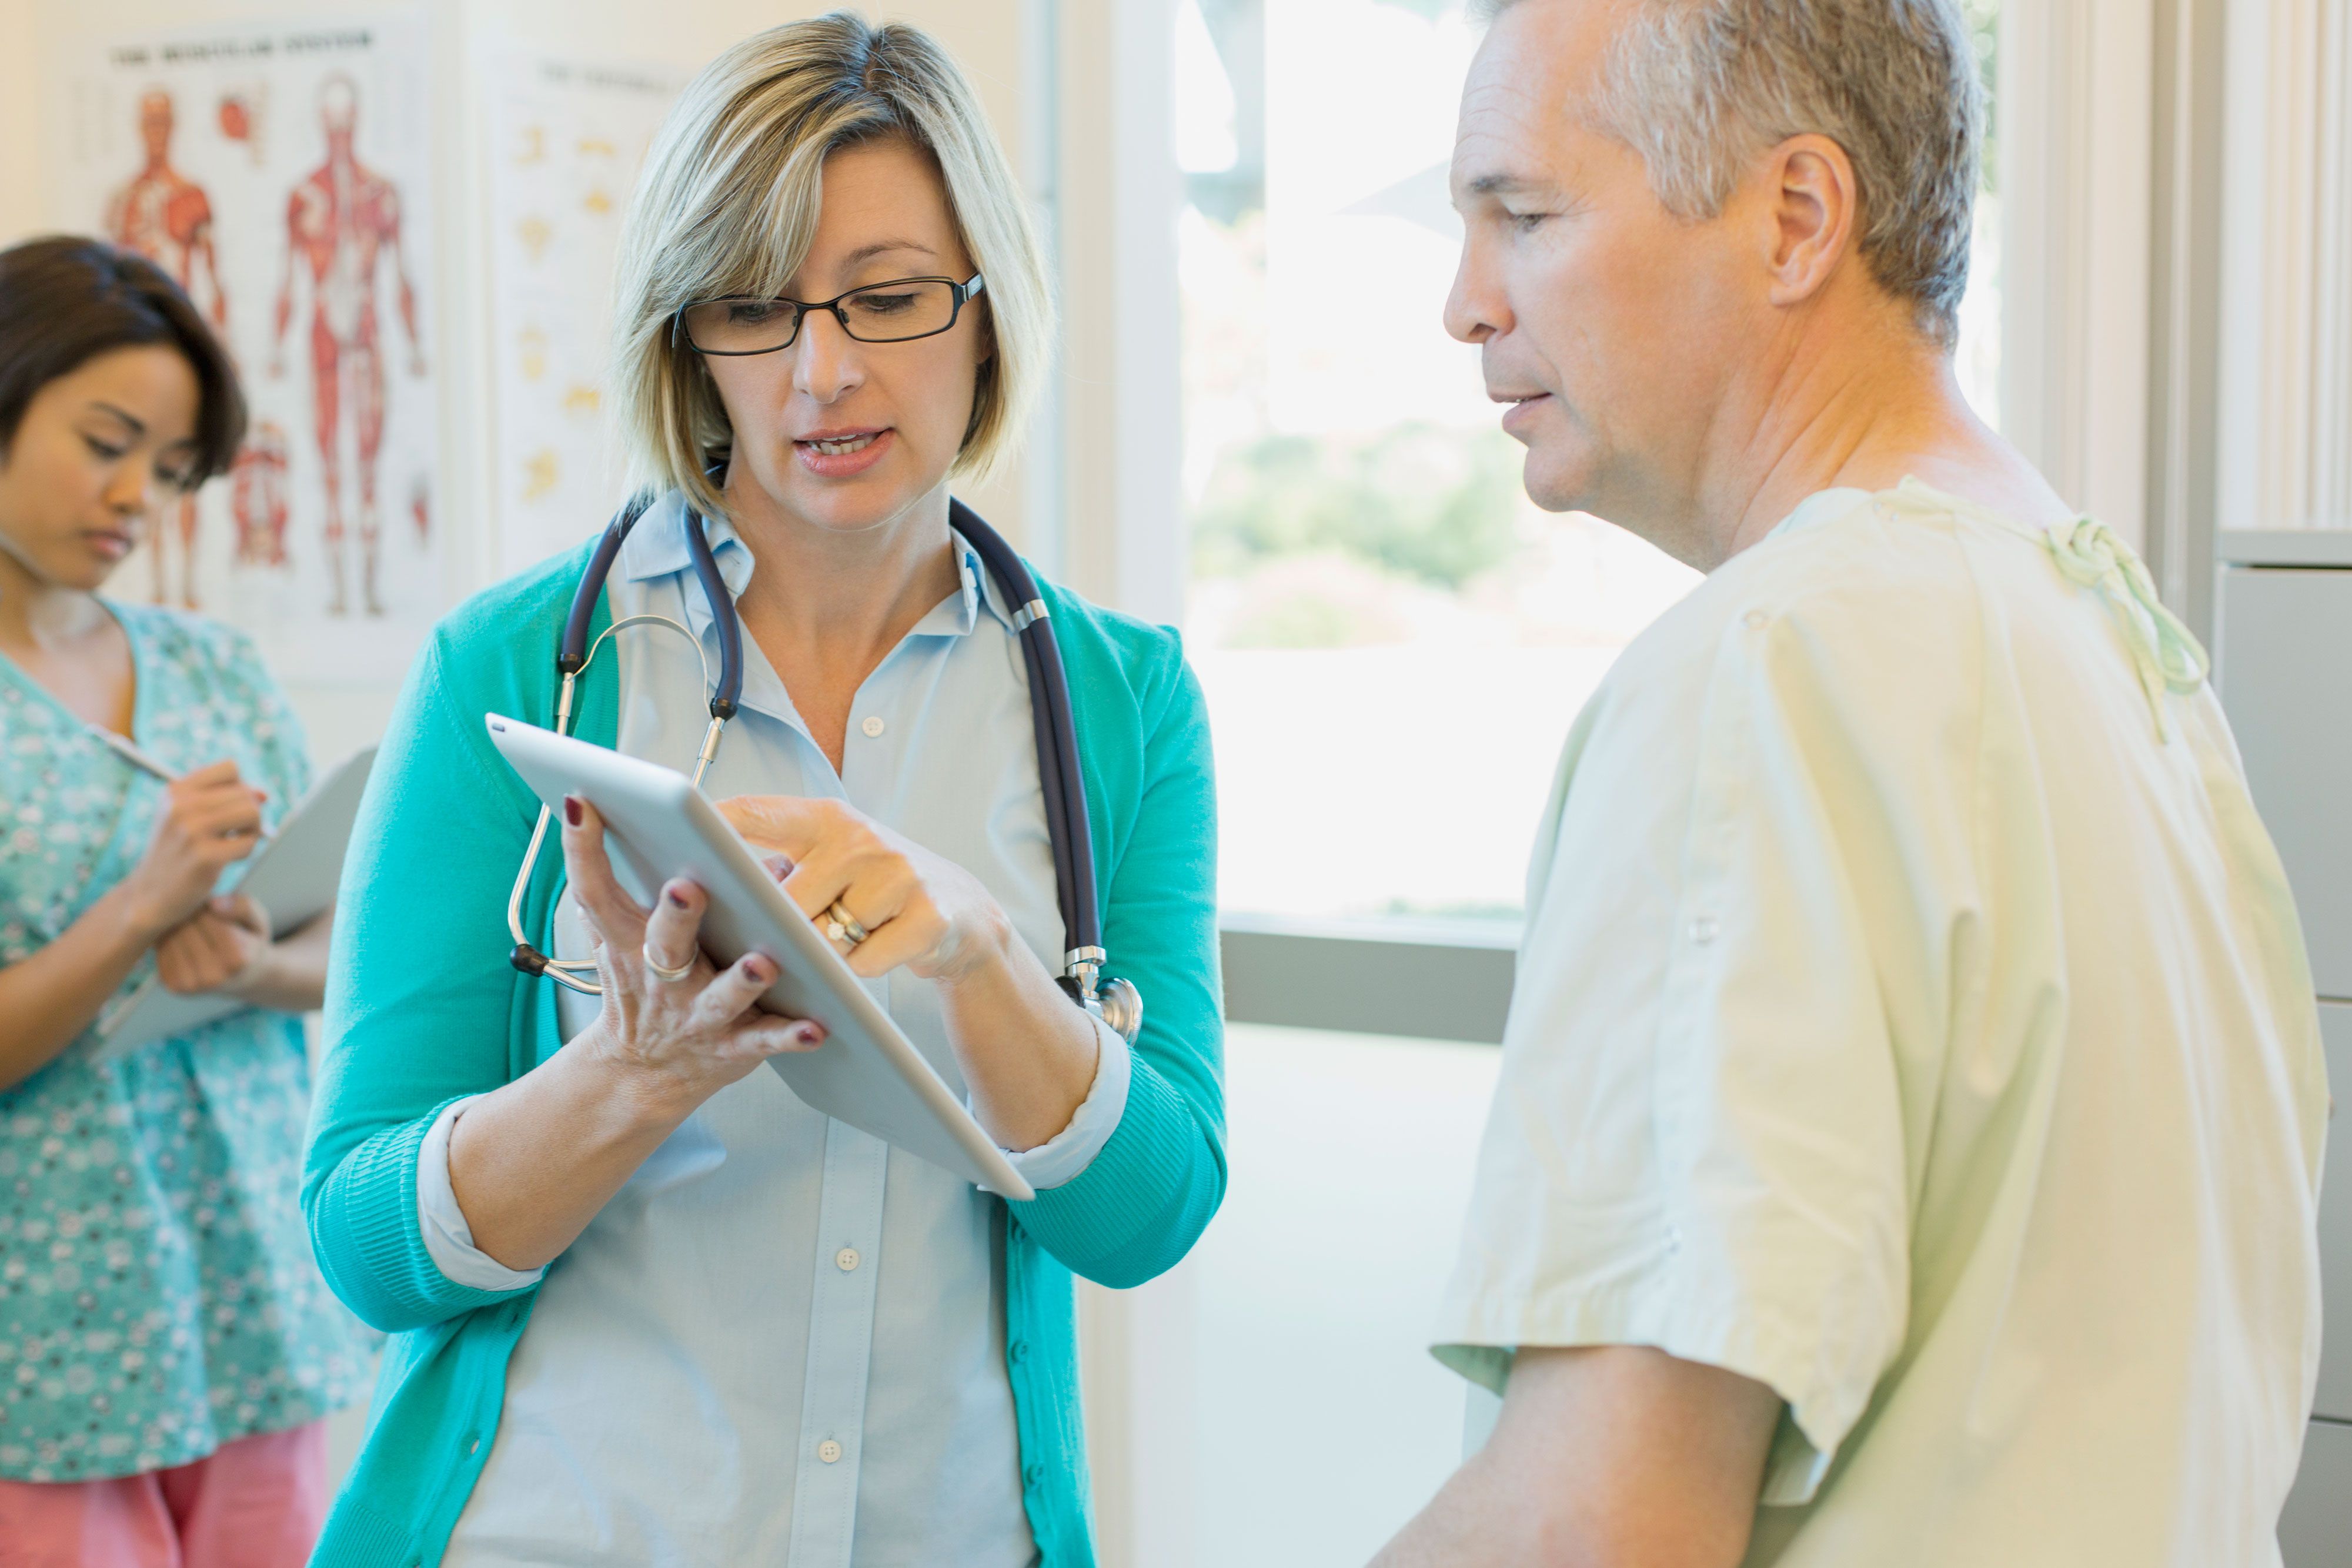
<point>649,1307</point>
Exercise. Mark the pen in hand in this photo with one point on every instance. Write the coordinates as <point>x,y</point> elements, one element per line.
<point>122,746</point>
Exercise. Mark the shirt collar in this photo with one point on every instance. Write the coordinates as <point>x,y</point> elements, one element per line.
<point>656,547</point>
<point>980,591</point>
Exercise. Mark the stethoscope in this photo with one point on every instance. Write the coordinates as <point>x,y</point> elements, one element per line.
<point>1116,1001</point>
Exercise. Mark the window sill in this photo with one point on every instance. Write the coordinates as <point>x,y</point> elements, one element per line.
<point>1428,979</point>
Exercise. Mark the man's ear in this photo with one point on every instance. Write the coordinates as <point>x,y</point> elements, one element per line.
<point>1815,205</point>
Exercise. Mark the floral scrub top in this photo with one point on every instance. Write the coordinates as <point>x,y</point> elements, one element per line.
<point>157,1295</point>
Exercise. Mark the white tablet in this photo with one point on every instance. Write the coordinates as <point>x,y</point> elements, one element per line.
<point>658,826</point>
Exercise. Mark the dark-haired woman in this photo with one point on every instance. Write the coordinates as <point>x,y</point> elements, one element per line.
<point>167,1352</point>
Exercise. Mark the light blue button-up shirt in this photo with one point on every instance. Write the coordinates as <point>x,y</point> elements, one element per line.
<point>782,1341</point>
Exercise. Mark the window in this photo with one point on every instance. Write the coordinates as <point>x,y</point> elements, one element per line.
<point>1389,634</point>
<point>1978,358</point>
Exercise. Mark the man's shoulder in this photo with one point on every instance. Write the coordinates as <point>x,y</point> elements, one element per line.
<point>1848,585</point>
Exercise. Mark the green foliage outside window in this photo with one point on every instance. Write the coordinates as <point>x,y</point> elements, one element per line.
<point>1430,505</point>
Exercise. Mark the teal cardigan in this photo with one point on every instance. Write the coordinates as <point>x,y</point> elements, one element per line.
<point>423,1008</point>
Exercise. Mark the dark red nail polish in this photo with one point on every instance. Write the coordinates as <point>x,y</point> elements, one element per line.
<point>676,899</point>
<point>811,1032</point>
<point>571,810</point>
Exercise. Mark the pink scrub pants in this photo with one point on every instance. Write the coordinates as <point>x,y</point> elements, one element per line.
<point>254,1503</point>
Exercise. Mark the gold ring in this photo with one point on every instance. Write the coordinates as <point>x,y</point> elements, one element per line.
<point>842,926</point>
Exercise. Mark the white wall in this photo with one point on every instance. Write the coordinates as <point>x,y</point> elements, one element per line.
<point>2286,457</point>
<point>342,715</point>
<point>2075,105</point>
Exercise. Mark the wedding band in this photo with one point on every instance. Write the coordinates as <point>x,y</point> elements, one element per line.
<point>654,966</point>
<point>842,926</point>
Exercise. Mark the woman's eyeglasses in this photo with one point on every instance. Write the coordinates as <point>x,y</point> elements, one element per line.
<point>895,312</point>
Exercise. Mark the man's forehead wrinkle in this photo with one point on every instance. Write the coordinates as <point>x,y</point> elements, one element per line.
<point>1525,99</point>
<point>1500,140</point>
<point>1505,95</point>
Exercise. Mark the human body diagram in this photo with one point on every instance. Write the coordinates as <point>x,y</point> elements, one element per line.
<point>342,224</point>
<point>165,216</point>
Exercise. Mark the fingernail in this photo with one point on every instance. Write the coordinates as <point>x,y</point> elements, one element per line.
<point>760,970</point>
<point>676,899</point>
<point>809,1032</point>
<point>571,810</point>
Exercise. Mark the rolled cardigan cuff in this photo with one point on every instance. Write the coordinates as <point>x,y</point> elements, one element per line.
<point>1065,1156</point>
<point>448,1239</point>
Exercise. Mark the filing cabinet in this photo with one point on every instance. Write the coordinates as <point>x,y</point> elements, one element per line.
<point>2316,1531</point>
<point>2283,662</point>
<point>2335,1398</point>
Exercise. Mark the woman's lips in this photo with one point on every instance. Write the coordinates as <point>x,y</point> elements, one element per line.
<point>861,452</point>
<point>113,546</point>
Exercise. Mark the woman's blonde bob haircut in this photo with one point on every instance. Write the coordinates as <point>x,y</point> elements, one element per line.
<point>728,205</point>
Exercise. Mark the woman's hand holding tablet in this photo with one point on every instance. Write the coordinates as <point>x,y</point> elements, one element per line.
<point>636,836</point>
<point>673,1023</point>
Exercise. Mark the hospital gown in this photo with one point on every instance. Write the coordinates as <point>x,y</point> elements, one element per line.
<point>1913,1017</point>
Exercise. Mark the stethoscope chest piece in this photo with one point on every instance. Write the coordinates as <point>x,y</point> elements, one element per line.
<point>1120,1006</point>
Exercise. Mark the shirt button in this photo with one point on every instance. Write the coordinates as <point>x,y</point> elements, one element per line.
<point>829,1451</point>
<point>1702,930</point>
<point>845,1259</point>
<point>1033,1477</point>
<point>1017,1351</point>
<point>872,726</point>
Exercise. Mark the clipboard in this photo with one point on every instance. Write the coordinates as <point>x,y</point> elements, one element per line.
<point>657,826</point>
<point>293,877</point>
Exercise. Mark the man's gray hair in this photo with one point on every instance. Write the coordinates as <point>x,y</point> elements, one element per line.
<point>1699,86</point>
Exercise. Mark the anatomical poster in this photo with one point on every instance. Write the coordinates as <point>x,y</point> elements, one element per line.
<point>567,138</point>
<point>280,173</point>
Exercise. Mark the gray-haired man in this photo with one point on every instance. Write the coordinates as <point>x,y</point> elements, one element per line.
<point>1907,1140</point>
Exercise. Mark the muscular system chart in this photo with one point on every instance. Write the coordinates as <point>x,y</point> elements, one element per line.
<point>281,173</point>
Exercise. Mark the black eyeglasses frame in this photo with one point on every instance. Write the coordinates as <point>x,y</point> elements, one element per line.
<point>970,288</point>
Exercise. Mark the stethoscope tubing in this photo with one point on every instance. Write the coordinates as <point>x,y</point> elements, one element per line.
<point>1060,774</point>
<point>1058,769</point>
<point>728,626</point>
